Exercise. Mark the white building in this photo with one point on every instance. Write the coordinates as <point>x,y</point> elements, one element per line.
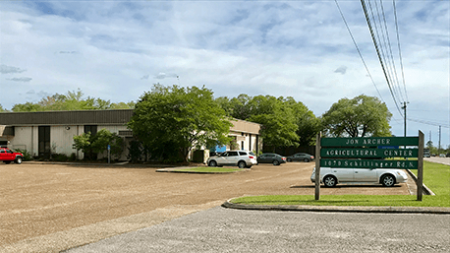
<point>45,133</point>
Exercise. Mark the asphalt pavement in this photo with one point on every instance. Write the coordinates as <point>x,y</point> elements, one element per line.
<point>230,230</point>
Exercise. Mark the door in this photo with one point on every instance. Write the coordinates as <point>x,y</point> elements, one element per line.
<point>2,154</point>
<point>233,157</point>
<point>44,142</point>
<point>343,174</point>
<point>366,175</point>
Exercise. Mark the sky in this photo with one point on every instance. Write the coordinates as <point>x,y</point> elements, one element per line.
<point>117,50</point>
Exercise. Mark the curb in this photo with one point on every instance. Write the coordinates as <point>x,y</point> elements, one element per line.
<point>176,170</point>
<point>347,209</point>
<point>424,187</point>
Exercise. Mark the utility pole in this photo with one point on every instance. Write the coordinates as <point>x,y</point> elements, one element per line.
<point>404,109</point>
<point>439,147</point>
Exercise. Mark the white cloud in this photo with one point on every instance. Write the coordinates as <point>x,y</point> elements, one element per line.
<point>20,79</point>
<point>5,69</point>
<point>270,48</point>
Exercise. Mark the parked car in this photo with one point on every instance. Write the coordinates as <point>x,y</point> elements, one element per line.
<point>301,157</point>
<point>332,176</point>
<point>240,158</point>
<point>272,158</point>
<point>442,155</point>
<point>8,156</point>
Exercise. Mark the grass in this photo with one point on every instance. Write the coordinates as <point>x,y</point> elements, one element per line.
<point>436,177</point>
<point>209,170</point>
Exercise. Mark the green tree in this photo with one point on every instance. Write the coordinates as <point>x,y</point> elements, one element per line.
<point>73,100</point>
<point>308,124</point>
<point>171,120</point>
<point>358,117</point>
<point>103,138</point>
<point>277,119</point>
<point>1,108</point>
<point>99,142</point>
<point>82,142</point>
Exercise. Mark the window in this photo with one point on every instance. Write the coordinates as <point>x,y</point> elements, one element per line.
<point>2,151</point>
<point>242,153</point>
<point>233,153</point>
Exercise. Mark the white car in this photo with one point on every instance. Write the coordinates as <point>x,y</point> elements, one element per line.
<point>241,158</point>
<point>332,176</point>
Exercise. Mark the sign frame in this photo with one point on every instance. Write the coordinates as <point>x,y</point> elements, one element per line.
<point>365,145</point>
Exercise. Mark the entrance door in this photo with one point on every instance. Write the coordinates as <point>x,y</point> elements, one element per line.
<point>44,142</point>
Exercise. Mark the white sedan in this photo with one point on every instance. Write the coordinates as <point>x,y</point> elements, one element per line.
<point>332,176</point>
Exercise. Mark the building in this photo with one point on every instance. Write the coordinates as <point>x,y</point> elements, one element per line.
<point>45,133</point>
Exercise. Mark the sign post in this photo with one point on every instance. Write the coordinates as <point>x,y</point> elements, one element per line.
<point>420,168</point>
<point>317,191</point>
<point>109,154</point>
<point>370,152</point>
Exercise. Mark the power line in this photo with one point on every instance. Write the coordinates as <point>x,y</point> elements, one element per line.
<point>399,49</point>
<point>378,53</point>
<point>359,51</point>
<point>390,51</point>
<point>427,122</point>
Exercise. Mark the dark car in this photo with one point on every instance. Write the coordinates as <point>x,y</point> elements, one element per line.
<point>300,157</point>
<point>272,158</point>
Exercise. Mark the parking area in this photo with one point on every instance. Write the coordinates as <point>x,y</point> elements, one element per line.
<point>40,199</point>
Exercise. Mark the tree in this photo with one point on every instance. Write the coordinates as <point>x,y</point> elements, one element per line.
<point>277,119</point>
<point>358,117</point>
<point>171,120</point>
<point>1,108</point>
<point>308,124</point>
<point>73,100</point>
<point>99,142</point>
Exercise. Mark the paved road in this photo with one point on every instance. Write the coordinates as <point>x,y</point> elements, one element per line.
<point>441,160</point>
<point>228,230</point>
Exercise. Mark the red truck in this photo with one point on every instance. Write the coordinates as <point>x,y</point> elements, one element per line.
<point>8,156</point>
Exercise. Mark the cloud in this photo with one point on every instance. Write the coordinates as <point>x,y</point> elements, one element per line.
<point>145,77</point>
<point>164,75</point>
<point>43,94</point>
<point>4,69</point>
<point>341,69</point>
<point>30,92</point>
<point>20,79</point>
<point>68,52</point>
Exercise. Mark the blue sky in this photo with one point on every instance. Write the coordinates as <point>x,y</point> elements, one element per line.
<point>117,50</point>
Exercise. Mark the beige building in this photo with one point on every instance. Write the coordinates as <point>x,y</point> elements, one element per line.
<point>45,133</point>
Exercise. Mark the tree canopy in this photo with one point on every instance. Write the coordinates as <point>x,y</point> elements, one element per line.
<point>73,100</point>
<point>171,120</point>
<point>358,117</point>
<point>285,121</point>
<point>1,108</point>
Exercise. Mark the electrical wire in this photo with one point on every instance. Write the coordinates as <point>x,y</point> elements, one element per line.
<point>357,48</point>
<point>379,55</point>
<point>399,49</point>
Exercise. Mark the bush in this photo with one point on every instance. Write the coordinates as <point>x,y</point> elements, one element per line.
<point>60,157</point>
<point>26,156</point>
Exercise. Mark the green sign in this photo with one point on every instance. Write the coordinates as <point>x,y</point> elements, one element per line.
<point>354,163</point>
<point>367,153</point>
<point>369,141</point>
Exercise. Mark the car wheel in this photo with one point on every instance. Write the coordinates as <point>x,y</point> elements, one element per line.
<point>241,164</point>
<point>329,181</point>
<point>212,164</point>
<point>18,160</point>
<point>289,160</point>
<point>388,180</point>
<point>276,163</point>
<point>306,160</point>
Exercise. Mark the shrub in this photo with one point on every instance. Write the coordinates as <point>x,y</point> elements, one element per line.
<point>26,155</point>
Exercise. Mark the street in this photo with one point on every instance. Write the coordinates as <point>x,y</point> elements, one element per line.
<point>228,230</point>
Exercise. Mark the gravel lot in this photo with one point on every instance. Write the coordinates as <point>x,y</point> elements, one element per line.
<point>51,207</point>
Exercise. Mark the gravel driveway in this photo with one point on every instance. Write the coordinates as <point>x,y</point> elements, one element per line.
<point>48,207</point>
